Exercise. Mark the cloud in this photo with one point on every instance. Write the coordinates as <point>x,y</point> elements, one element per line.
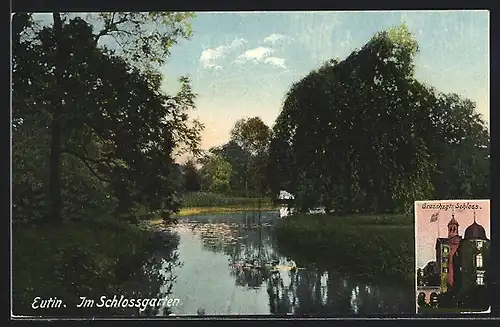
<point>261,54</point>
<point>256,54</point>
<point>275,37</point>
<point>275,61</point>
<point>209,57</point>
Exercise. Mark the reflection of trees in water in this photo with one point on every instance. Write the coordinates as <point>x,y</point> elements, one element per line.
<point>250,248</point>
<point>231,237</point>
<point>279,295</point>
<point>256,245</point>
<point>253,259</point>
<point>157,278</point>
<point>305,292</point>
<point>317,292</point>
<point>249,277</point>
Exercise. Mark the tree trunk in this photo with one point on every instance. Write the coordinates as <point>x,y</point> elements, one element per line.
<point>258,204</point>
<point>55,148</point>
<point>246,179</point>
<point>246,187</point>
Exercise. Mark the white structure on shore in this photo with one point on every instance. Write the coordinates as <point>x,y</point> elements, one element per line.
<point>284,195</point>
<point>286,211</point>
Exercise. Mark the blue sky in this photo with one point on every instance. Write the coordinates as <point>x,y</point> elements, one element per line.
<point>242,64</point>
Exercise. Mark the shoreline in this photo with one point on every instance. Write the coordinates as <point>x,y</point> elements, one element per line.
<point>190,211</point>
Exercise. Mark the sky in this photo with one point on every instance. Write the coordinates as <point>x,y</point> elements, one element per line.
<point>242,63</point>
<point>426,232</point>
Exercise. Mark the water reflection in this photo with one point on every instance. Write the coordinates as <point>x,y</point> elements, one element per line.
<point>154,280</point>
<point>322,292</point>
<point>157,278</point>
<point>232,266</point>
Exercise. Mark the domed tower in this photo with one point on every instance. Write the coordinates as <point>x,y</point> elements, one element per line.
<point>472,256</point>
<point>475,232</point>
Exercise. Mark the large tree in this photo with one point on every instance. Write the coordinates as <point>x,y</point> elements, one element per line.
<point>102,109</point>
<point>252,135</point>
<point>362,134</point>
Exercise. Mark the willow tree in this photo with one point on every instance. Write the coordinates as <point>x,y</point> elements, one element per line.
<point>357,135</point>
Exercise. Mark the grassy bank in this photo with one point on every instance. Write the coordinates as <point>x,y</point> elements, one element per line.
<point>201,202</point>
<point>206,210</point>
<point>73,260</point>
<point>204,199</point>
<point>372,247</point>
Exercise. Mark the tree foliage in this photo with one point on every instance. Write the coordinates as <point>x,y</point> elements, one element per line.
<point>428,275</point>
<point>142,38</point>
<point>192,177</point>
<point>363,135</point>
<point>238,158</point>
<point>117,130</point>
<point>252,136</point>
<point>216,174</point>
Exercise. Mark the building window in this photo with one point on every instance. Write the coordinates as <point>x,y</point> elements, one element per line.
<point>445,269</point>
<point>479,260</point>
<point>479,245</point>
<point>446,249</point>
<point>422,301</point>
<point>480,278</point>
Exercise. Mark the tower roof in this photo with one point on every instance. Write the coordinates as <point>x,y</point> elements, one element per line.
<point>475,231</point>
<point>453,221</point>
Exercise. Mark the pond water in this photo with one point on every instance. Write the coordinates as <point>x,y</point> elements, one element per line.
<point>228,264</point>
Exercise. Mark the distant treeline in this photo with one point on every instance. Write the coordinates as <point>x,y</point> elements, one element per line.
<point>237,168</point>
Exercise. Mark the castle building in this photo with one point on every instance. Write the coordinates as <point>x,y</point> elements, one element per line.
<point>445,251</point>
<point>462,262</point>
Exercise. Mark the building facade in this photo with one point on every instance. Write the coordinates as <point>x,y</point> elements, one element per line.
<point>445,252</point>
<point>426,292</point>
<point>462,262</point>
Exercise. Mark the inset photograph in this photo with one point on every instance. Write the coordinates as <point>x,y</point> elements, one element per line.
<point>452,255</point>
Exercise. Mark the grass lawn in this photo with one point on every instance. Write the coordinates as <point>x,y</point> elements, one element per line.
<point>369,246</point>
<point>189,211</point>
<point>196,203</point>
<point>204,199</point>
